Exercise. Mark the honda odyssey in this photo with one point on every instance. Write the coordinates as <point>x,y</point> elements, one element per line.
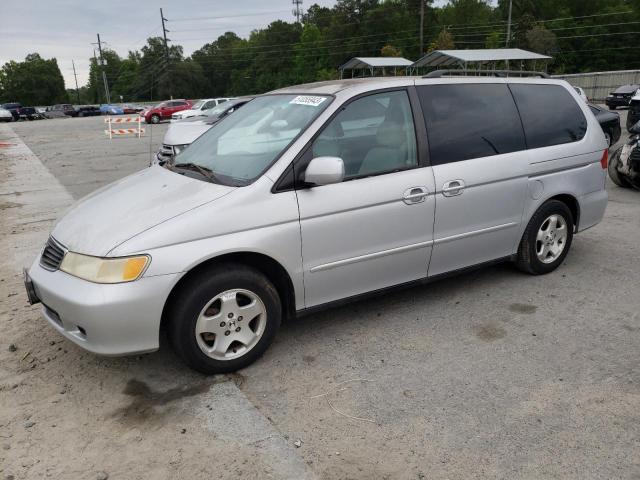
<point>316,194</point>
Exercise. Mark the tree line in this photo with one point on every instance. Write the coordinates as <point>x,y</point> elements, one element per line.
<point>581,35</point>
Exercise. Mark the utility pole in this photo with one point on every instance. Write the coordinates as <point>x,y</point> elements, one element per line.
<point>76,77</point>
<point>297,9</point>
<point>95,78</point>
<point>421,28</point>
<point>509,24</point>
<point>104,75</point>
<point>166,53</point>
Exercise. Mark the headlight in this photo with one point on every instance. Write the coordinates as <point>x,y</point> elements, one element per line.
<point>104,270</point>
<point>179,148</point>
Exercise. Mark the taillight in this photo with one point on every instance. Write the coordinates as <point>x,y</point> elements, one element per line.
<point>604,161</point>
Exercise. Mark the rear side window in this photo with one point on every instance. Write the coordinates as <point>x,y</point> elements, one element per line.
<point>550,115</point>
<point>466,121</point>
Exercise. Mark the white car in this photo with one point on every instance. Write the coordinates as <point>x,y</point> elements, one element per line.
<point>199,108</point>
<point>5,115</point>
<point>581,93</point>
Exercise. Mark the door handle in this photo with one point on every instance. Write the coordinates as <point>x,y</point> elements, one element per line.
<point>453,188</point>
<point>415,195</point>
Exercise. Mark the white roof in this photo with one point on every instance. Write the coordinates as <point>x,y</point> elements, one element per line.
<point>368,62</point>
<point>448,57</point>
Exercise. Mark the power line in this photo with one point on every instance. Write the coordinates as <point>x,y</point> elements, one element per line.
<point>257,14</point>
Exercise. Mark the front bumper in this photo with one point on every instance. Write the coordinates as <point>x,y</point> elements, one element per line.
<point>114,319</point>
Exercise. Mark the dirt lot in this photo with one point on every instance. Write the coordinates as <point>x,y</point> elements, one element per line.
<point>492,374</point>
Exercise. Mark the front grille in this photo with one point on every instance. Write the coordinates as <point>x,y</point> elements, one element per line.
<point>166,153</point>
<point>52,255</point>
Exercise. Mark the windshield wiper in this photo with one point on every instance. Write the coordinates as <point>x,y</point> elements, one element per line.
<point>204,171</point>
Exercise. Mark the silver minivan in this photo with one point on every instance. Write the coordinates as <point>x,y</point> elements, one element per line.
<point>316,194</point>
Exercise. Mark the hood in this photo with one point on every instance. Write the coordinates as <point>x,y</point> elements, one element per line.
<point>115,213</point>
<point>188,113</point>
<point>184,132</point>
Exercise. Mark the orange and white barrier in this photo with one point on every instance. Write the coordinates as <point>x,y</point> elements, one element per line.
<point>124,131</point>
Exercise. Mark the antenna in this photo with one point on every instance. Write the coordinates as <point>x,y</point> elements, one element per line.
<point>297,9</point>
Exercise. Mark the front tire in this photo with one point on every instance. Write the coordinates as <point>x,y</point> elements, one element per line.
<point>547,239</point>
<point>155,119</point>
<point>224,319</point>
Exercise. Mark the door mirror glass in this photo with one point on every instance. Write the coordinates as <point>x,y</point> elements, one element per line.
<point>635,129</point>
<point>324,171</point>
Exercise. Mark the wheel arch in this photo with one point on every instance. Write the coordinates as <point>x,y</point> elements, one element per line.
<point>265,264</point>
<point>570,201</point>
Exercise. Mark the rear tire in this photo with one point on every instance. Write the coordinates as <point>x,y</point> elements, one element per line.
<point>547,239</point>
<point>612,107</point>
<point>237,311</point>
<point>612,168</point>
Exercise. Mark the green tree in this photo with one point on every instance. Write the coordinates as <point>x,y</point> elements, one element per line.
<point>35,81</point>
<point>444,41</point>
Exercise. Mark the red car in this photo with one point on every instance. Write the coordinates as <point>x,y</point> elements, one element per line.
<point>164,110</point>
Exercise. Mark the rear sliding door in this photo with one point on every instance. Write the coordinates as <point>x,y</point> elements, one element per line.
<point>480,164</point>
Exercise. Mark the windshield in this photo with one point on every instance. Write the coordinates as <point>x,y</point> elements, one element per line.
<point>242,146</point>
<point>197,105</point>
<point>214,112</point>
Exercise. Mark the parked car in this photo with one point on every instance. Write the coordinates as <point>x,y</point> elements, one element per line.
<point>109,109</point>
<point>581,94</point>
<point>131,109</point>
<point>610,123</point>
<point>633,116</point>
<point>314,195</point>
<point>13,108</point>
<point>164,110</point>
<point>18,112</point>
<point>87,111</point>
<point>199,108</point>
<point>5,115</point>
<point>28,113</point>
<point>51,112</point>
<point>621,96</point>
<point>65,108</point>
<point>624,168</point>
<point>182,133</point>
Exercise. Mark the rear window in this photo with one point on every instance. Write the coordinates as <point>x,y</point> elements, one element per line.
<point>626,89</point>
<point>549,113</point>
<point>467,121</point>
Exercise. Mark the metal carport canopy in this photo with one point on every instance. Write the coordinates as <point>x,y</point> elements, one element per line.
<point>439,58</point>
<point>375,62</point>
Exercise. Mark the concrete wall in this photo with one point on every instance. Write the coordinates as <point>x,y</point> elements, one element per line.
<point>598,85</point>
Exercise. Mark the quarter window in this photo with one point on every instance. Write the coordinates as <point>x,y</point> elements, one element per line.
<point>466,121</point>
<point>550,115</point>
<point>372,135</point>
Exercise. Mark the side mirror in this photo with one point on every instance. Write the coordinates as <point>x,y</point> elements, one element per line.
<point>324,171</point>
<point>635,129</point>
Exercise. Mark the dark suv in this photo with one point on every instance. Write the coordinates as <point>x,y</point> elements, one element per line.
<point>633,116</point>
<point>621,96</point>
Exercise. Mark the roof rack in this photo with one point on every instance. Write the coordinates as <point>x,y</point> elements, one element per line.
<point>490,73</point>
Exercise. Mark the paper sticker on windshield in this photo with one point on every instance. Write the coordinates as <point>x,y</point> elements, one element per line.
<point>308,100</point>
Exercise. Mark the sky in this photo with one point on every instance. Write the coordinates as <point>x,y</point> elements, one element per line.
<point>65,29</point>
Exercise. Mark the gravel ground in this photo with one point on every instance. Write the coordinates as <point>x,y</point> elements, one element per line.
<point>491,374</point>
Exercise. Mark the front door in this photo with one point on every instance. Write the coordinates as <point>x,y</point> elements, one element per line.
<point>374,229</point>
<point>480,166</point>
